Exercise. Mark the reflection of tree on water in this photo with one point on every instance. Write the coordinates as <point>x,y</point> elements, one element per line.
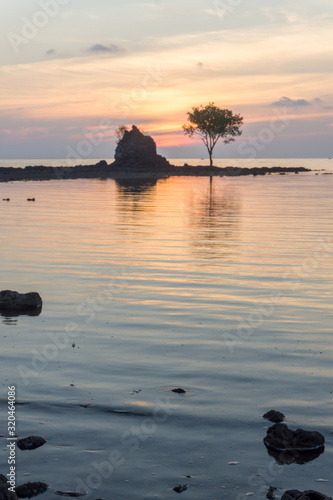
<point>214,215</point>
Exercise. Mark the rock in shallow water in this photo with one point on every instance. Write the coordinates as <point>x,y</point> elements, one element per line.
<point>20,303</point>
<point>305,495</point>
<point>30,443</point>
<point>280,437</point>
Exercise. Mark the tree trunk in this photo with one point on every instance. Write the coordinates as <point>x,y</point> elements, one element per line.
<point>210,163</point>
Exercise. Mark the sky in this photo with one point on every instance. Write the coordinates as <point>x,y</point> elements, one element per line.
<point>71,71</point>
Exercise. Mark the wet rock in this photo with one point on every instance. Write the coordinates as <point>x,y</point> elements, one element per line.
<point>274,416</point>
<point>180,488</point>
<point>30,443</point>
<point>29,490</point>
<point>280,437</point>
<point>136,149</point>
<point>305,495</point>
<point>20,303</point>
<point>5,494</point>
<point>179,391</point>
<point>270,493</point>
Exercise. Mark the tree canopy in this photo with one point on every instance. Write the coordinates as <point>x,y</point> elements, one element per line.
<point>212,123</point>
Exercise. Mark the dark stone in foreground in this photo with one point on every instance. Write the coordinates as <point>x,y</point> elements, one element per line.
<point>274,416</point>
<point>30,443</point>
<point>180,488</point>
<point>305,495</point>
<point>280,437</point>
<point>20,303</point>
<point>29,490</point>
<point>179,391</point>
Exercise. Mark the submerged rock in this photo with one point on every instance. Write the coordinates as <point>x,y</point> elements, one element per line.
<point>29,490</point>
<point>305,495</point>
<point>280,437</point>
<point>30,443</point>
<point>20,303</point>
<point>180,488</point>
<point>179,390</point>
<point>274,416</point>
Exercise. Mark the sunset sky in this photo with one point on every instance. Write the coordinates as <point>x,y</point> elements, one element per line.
<point>73,70</point>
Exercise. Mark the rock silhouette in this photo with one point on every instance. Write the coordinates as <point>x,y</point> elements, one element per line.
<point>138,150</point>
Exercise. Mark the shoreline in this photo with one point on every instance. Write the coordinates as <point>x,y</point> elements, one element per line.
<point>102,170</point>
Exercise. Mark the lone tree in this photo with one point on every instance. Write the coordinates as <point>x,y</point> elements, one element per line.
<point>212,123</point>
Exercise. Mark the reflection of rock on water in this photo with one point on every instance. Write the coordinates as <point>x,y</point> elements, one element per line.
<point>135,186</point>
<point>295,456</point>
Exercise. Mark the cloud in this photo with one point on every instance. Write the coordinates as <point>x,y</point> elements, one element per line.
<point>290,103</point>
<point>50,52</point>
<point>111,49</point>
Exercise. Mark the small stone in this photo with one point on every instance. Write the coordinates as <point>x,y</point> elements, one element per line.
<point>29,490</point>
<point>179,390</point>
<point>30,443</point>
<point>274,416</point>
<point>305,495</point>
<point>180,488</point>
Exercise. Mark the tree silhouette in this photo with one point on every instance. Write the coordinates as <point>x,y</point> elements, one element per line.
<point>212,123</point>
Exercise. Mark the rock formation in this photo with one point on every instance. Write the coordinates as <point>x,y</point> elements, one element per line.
<point>136,150</point>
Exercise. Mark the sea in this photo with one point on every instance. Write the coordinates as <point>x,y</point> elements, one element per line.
<point>221,289</point>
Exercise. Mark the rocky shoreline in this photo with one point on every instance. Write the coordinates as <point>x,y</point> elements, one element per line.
<point>116,170</point>
<point>136,157</point>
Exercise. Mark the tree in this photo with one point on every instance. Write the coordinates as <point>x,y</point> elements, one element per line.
<point>120,131</point>
<point>211,124</point>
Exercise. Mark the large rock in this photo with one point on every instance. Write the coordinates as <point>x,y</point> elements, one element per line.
<point>138,150</point>
<point>280,437</point>
<point>305,495</point>
<point>16,303</point>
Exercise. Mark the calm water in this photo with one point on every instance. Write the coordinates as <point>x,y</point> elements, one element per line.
<point>223,290</point>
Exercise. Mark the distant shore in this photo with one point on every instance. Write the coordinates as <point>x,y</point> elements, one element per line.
<point>102,170</point>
